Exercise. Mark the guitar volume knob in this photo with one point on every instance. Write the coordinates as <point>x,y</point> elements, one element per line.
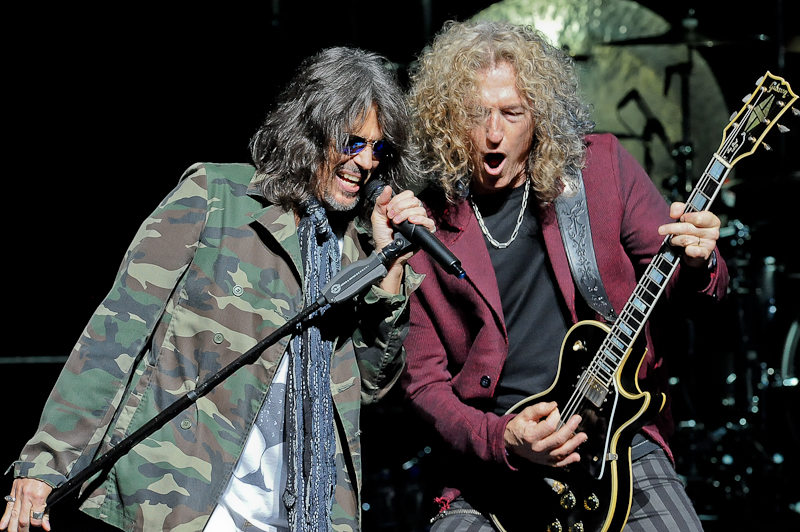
<point>568,500</point>
<point>555,526</point>
<point>591,502</point>
<point>577,527</point>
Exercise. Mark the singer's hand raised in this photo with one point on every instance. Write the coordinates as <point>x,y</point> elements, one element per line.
<point>396,209</point>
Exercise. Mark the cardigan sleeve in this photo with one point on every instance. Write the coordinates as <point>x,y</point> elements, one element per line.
<point>431,376</point>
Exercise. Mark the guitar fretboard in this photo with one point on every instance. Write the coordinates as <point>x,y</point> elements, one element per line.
<point>634,315</point>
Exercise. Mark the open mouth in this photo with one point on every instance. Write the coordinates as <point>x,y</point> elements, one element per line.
<point>494,160</point>
<point>349,180</point>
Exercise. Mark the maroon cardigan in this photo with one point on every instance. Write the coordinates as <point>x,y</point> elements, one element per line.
<point>458,342</point>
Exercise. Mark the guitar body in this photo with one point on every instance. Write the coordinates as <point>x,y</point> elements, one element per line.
<point>597,491</point>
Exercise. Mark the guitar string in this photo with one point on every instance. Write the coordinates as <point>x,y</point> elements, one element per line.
<point>579,396</point>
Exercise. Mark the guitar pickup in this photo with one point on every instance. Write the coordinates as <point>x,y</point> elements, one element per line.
<point>595,391</point>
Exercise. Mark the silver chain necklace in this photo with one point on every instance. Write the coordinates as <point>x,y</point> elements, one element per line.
<point>494,242</point>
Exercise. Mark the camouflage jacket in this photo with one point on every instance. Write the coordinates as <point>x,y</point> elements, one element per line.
<point>211,272</point>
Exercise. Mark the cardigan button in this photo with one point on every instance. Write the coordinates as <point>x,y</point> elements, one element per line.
<point>486,381</point>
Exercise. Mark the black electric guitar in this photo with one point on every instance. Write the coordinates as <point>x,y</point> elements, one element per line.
<point>598,368</point>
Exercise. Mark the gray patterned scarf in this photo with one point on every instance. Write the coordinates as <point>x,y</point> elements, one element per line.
<point>310,418</point>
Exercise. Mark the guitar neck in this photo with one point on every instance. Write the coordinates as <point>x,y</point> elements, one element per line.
<point>637,310</point>
<point>771,99</point>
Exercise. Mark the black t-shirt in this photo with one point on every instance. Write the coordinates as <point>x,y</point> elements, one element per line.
<point>535,316</point>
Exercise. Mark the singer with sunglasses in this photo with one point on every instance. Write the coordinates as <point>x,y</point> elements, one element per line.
<point>231,254</point>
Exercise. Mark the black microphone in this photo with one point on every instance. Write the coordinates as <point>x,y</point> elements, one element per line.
<point>418,235</point>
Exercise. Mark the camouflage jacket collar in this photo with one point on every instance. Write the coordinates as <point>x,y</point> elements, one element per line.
<point>281,224</point>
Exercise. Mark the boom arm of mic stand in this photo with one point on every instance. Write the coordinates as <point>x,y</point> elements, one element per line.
<point>345,285</point>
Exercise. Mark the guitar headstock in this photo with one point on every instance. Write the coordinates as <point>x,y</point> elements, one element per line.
<point>762,109</point>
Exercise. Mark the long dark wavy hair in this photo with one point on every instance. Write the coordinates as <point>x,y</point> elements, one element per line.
<point>330,96</point>
<point>445,82</point>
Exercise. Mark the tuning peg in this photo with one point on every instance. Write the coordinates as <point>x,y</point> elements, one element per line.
<point>796,112</point>
<point>783,129</point>
<point>760,80</point>
<point>746,98</point>
<point>766,146</point>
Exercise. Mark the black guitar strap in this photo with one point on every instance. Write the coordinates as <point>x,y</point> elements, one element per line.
<point>576,232</point>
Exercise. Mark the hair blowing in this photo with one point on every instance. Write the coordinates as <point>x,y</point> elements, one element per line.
<point>330,96</point>
<point>444,96</point>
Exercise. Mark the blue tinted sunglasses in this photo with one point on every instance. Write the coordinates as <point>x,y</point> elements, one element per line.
<point>356,145</point>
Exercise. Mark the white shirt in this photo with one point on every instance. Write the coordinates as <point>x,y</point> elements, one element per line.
<point>252,501</point>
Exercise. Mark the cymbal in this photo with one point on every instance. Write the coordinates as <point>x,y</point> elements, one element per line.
<point>681,36</point>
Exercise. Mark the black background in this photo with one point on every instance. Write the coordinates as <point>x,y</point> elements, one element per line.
<point>105,108</point>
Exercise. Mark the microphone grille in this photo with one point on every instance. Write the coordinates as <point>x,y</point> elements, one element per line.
<point>372,190</point>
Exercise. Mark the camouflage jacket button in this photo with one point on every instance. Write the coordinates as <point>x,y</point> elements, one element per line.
<point>219,338</point>
<point>186,424</point>
<point>238,290</point>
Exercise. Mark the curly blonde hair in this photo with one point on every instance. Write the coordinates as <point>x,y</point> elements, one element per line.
<point>445,80</point>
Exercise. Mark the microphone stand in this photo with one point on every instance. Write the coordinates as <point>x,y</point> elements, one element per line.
<point>345,285</point>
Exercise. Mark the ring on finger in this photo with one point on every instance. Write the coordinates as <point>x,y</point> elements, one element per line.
<point>37,515</point>
<point>9,498</point>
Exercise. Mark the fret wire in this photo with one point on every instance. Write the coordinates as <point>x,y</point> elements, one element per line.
<point>624,338</point>
<point>631,318</point>
<point>616,341</point>
<point>596,371</point>
<point>604,371</point>
<point>712,189</point>
<point>638,315</point>
<point>611,356</point>
<point>646,289</point>
<point>626,330</point>
<point>613,348</point>
<point>663,267</point>
<point>640,303</point>
<point>645,297</point>
<point>612,360</point>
